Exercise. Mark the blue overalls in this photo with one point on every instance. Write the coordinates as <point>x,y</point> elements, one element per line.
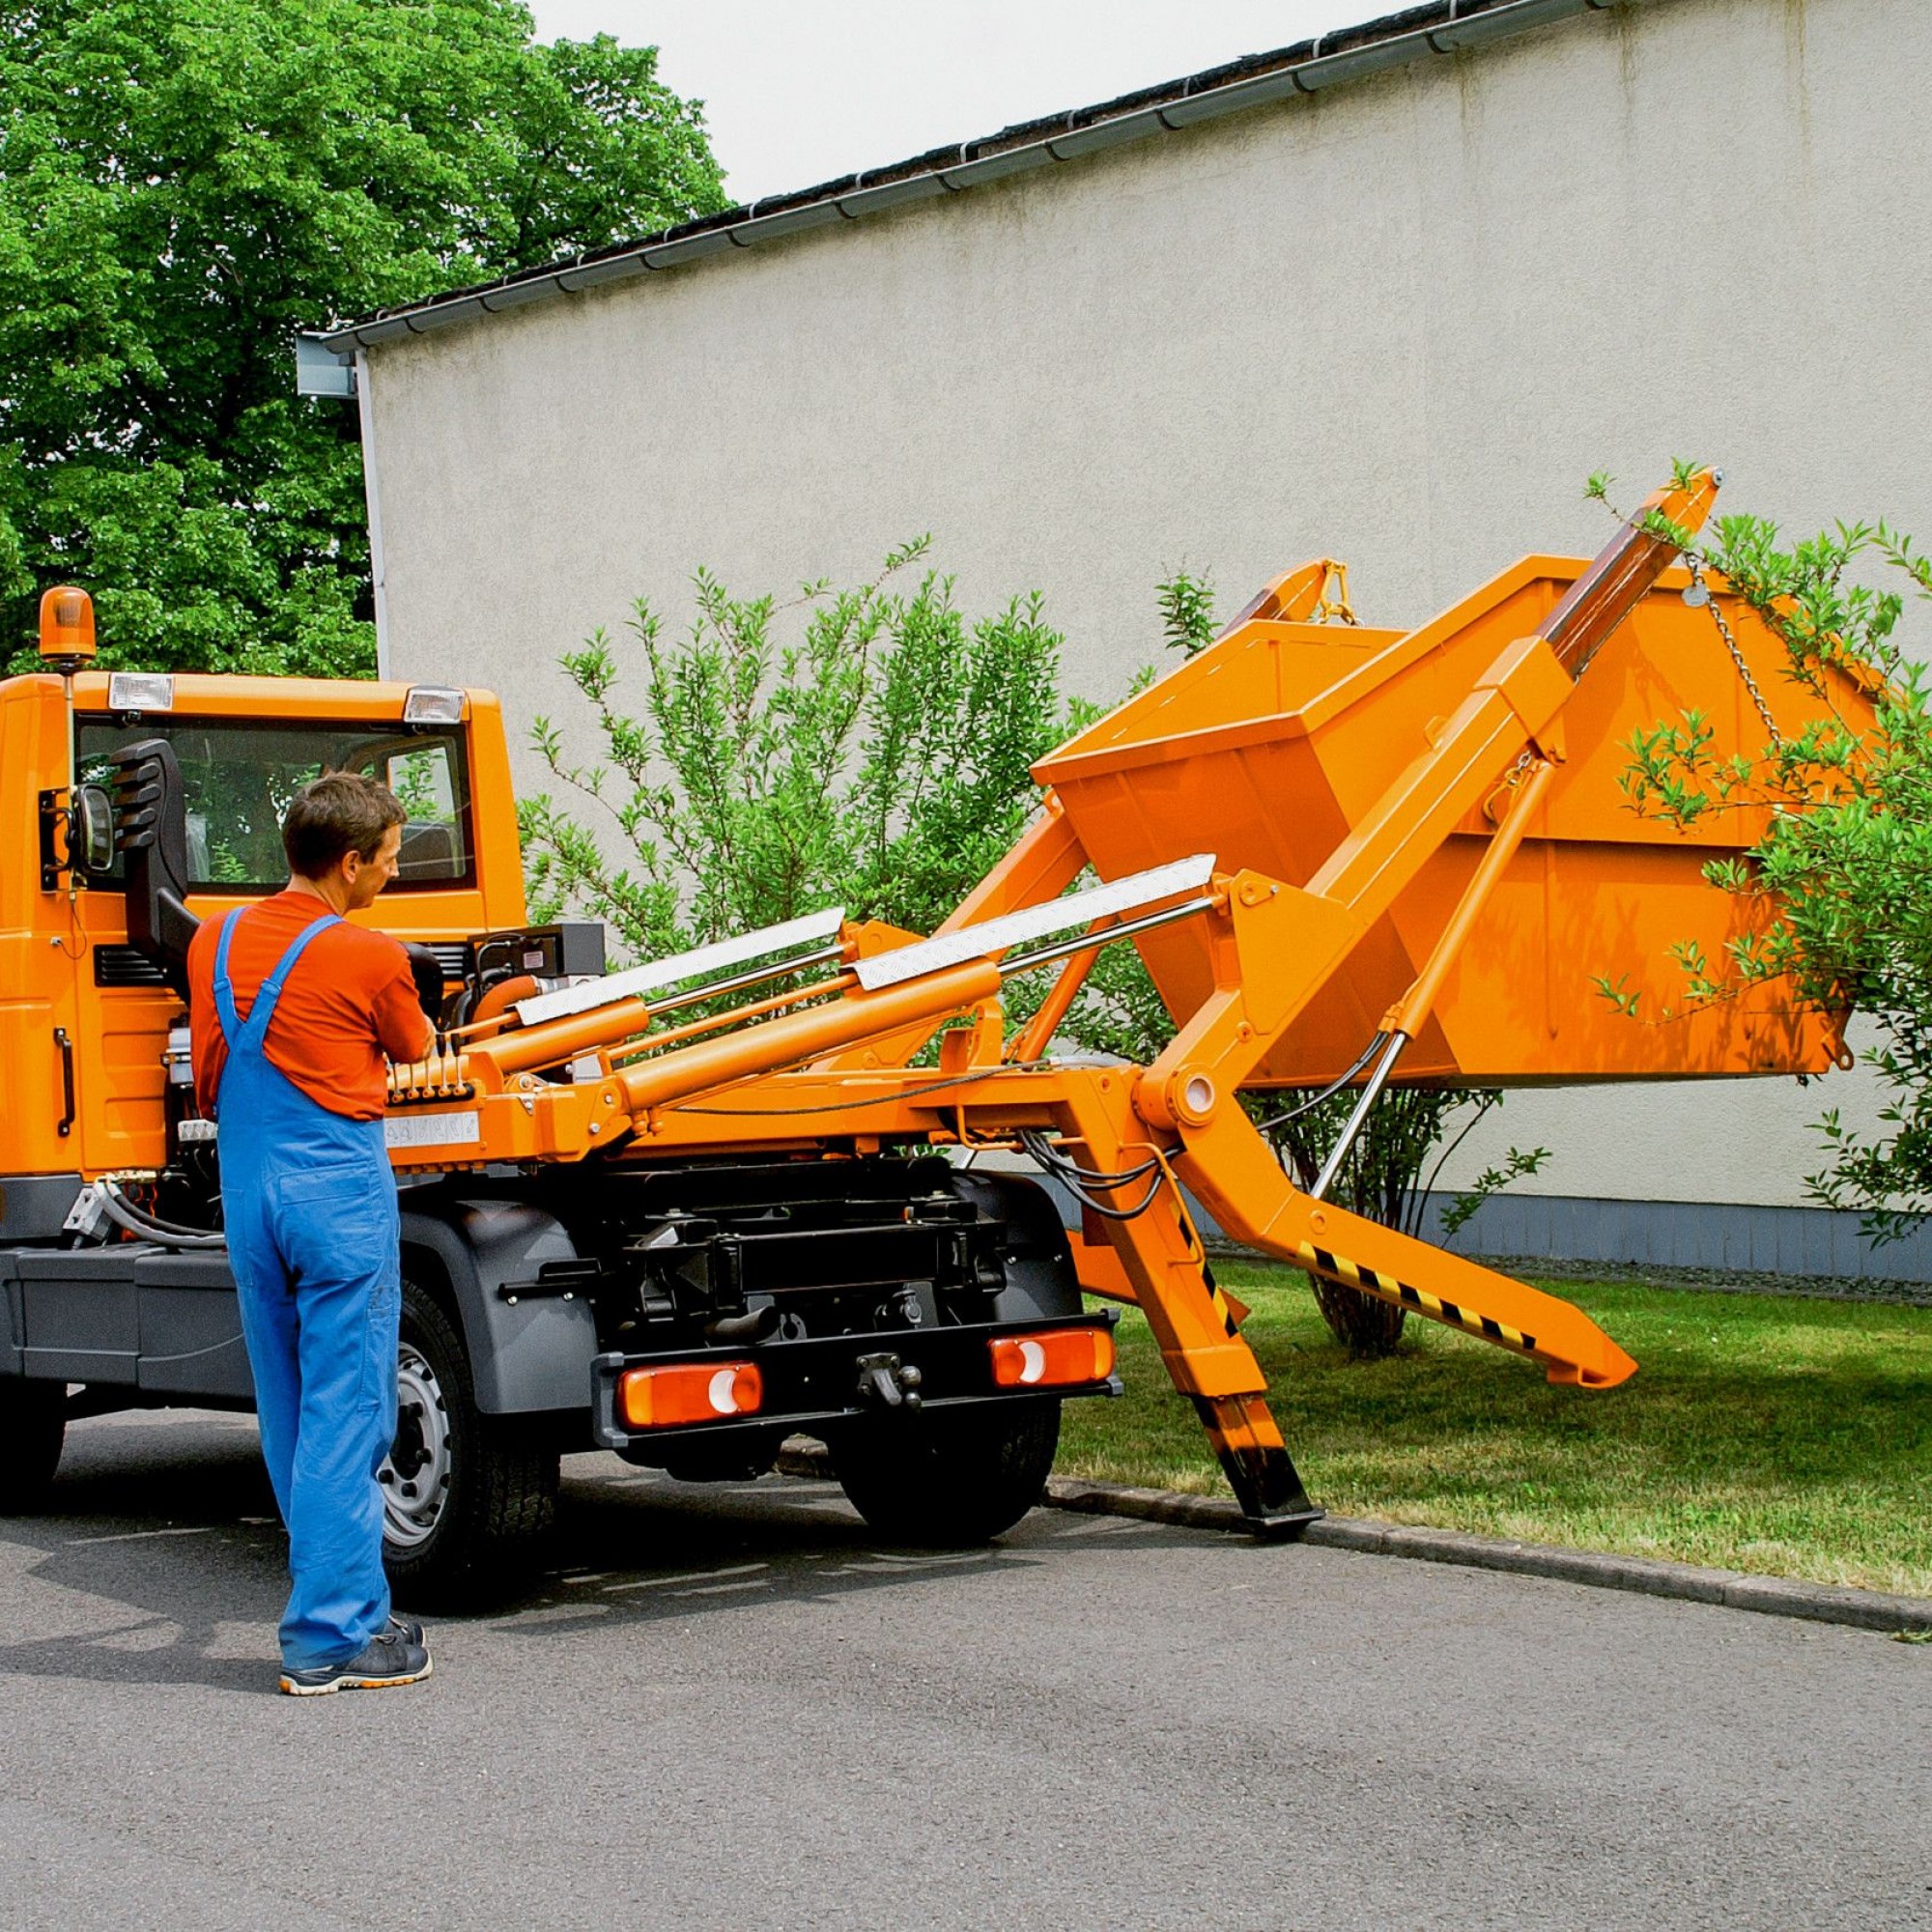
<point>309,1203</point>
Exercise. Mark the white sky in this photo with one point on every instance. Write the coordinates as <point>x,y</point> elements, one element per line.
<point>796,91</point>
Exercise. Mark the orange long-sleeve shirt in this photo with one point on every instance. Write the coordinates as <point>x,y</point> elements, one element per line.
<point>349,1001</point>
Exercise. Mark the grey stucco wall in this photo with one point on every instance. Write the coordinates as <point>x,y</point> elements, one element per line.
<point>1399,323</point>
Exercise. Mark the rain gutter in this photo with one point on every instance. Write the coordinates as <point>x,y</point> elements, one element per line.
<point>1450,27</point>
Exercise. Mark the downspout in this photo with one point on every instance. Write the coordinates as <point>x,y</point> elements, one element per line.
<point>372,493</point>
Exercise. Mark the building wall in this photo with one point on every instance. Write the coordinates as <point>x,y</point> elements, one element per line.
<point>1398,323</point>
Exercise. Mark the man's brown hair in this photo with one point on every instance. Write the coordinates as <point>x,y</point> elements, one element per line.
<point>338,813</point>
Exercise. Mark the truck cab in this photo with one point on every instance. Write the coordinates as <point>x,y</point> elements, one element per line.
<point>85,1013</point>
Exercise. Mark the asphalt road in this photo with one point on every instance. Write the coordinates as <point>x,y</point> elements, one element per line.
<point>730,1711</point>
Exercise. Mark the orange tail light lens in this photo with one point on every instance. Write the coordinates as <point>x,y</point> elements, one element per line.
<point>1053,1358</point>
<point>690,1392</point>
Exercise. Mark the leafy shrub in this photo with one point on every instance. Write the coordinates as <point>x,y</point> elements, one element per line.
<point>1843,873</point>
<point>878,759</point>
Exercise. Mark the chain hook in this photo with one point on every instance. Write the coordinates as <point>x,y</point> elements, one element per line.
<point>1335,610</point>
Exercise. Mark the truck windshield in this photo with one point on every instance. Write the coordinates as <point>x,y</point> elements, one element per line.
<point>241,774</point>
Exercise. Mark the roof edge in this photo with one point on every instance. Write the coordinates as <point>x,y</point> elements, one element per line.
<point>1309,67</point>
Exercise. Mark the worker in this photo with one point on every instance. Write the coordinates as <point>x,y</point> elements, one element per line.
<point>292,1009</point>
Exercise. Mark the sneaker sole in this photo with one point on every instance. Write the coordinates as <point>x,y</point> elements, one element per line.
<point>335,1684</point>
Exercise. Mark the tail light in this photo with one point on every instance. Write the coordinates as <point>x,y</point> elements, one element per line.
<point>1052,1358</point>
<point>688,1392</point>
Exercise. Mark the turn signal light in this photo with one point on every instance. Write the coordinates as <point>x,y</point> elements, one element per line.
<point>1053,1358</point>
<point>690,1392</point>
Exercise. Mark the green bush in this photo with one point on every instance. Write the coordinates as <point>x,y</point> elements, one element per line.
<point>867,748</point>
<point>1843,873</point>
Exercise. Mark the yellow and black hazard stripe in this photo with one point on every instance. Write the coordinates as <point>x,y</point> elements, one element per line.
<point>1226,1315</point>
<point>1353,1274</point>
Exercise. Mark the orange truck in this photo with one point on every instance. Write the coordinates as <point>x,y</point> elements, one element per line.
<point>688,1208</point>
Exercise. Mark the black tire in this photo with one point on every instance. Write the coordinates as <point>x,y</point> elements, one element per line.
<point>33,1426</point>
<point>949,1478</point>
<point>469,1500</point>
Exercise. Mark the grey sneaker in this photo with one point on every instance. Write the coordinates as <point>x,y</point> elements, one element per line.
<point>410,1628</point>
<point>384,1660</point>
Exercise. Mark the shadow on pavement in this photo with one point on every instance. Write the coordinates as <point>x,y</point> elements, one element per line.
<point>163,1537</point>
<point>163,1541</point>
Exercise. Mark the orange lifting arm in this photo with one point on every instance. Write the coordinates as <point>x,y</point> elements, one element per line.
<point>1282,944</point>
<point>1235,1174</point>
<point>1272,946</point>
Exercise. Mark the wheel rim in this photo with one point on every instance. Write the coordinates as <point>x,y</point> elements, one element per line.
<point>415,1473</point>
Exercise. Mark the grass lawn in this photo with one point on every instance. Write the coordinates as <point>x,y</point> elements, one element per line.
<point>1761,1432</point>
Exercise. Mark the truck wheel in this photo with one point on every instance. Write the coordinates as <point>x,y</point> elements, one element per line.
<point>468,1499</point>
<point>33,1426</point>
<point>949,1477</point>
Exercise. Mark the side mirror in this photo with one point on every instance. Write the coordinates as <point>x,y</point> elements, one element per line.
<point>92,842</point>
<point>150,828</point>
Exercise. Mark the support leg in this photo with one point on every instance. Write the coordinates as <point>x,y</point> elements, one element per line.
<point>1199,1339</point>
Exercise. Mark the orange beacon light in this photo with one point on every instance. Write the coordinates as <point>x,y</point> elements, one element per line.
<point>67,628</point>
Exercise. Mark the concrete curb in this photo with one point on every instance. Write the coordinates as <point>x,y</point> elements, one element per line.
<point>1732,1589</point>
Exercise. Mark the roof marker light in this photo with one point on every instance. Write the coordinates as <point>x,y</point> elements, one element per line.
<point>432,704</point>
<point>140,691</point>
<point>67,628</point>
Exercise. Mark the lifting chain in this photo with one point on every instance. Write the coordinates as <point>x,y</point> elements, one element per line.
<point>1530,756</point>
<point>1698,592</point>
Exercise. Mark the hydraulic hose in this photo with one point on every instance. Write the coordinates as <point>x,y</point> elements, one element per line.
<point>147,1217</point>
<point>1076,1179</point>
<point>147,1228</point>
<point>1329,1093</point>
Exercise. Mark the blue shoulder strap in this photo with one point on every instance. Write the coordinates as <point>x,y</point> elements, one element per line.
<point>262,1008</point>
<point>224,990</point>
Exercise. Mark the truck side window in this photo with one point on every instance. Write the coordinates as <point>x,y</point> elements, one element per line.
<point>239,775</point>
<point>432,833</point>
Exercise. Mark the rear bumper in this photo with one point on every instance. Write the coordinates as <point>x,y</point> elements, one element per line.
<point>816,1385</point>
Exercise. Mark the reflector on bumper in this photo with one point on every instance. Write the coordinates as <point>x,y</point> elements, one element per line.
<point>820,1381</point>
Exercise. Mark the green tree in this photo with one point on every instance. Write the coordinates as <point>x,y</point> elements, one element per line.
<point>1842,876</point>
<point>184,183</point>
